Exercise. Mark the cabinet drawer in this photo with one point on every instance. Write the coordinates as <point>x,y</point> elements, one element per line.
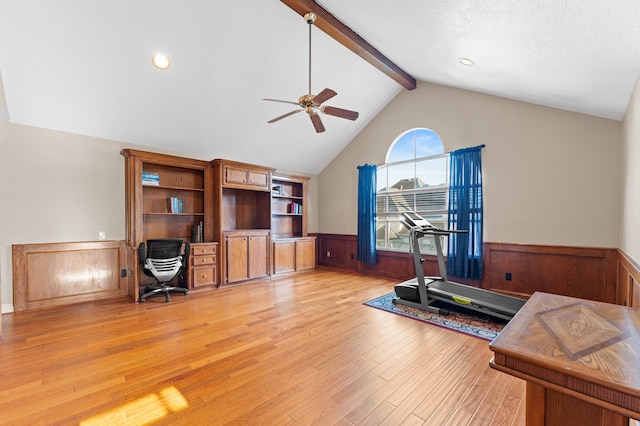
<point>207,259</point>
<point>203,249</point>
<point>204,275</point>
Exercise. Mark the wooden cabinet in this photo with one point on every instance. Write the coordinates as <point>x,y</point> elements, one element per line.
<point>252,179</point>
<point>203,265</point>
<point>241,208</point>
<point>247,255</point>
<point>294,254</point>
<point>242,219</point>
<point>244,176</point>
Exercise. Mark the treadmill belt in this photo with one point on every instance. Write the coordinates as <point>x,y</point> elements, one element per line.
<point>477,296</point>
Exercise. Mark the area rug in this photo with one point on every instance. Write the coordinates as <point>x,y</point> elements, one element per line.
<point>462,320</point>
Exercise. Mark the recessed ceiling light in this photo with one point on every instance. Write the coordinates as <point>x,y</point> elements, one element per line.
<point>466,61</point>
<point>161,61</point>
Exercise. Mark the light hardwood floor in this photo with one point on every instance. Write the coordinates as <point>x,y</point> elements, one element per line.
<point>301,349</point>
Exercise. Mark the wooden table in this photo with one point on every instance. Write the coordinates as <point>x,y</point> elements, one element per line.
<point>581,360</point>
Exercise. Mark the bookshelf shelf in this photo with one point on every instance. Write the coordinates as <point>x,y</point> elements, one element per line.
<point>173,214</point>
<point>173,188</point>
<point>288,197</point>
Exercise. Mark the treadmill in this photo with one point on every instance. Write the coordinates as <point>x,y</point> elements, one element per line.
<point>421,292</point>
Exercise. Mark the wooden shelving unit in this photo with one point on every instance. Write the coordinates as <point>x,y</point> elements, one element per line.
<point>254,220</point>
<point>242,220</point>
<point>149,208</point>
<point>293,250</point>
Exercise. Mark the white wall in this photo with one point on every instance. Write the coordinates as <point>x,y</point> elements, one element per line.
<point>631,177</point>
<point>56,187</point>
<point>550,176</point>
<point>62,187</point>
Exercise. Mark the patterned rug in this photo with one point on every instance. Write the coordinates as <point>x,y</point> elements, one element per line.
<point>459,319</point>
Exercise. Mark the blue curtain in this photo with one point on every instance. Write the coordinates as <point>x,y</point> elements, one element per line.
<point>367,175</point>
<point>465,213</point>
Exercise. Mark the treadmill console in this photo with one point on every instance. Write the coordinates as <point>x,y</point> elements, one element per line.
<point>414,220</point>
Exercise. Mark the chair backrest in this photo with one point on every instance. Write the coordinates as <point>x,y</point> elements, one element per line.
<point>164,248</point>
<point>163,258</point>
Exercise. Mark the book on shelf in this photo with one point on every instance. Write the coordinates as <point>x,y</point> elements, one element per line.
<point>150,179</point>
<point>197,232</point>
<point>175,205</point>
<point>295,208</point>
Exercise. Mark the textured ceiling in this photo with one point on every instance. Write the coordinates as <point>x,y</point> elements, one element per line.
<point>83,66</point>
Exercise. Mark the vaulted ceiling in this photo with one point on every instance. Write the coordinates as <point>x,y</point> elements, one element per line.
<point>84,66</point>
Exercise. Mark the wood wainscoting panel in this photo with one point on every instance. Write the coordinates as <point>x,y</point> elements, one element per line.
<point>522,269</point>
<point>340,251</point>
<point>54,274</point>
<point>628,289</point>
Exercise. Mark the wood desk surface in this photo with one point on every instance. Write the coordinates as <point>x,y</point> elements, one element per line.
<point>589,350</point>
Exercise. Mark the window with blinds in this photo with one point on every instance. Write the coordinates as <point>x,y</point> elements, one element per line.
<point>413,183</point>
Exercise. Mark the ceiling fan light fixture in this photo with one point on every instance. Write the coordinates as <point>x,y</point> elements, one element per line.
<point>161,61</point>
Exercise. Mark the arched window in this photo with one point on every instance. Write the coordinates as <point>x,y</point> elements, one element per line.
<point>414,177</point>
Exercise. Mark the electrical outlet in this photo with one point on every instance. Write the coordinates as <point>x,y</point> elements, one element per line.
<point>102,235</point>
<point>328,253</point>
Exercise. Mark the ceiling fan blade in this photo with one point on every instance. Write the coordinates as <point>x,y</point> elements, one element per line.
<point>317,122</point>
<point>339,112</point>
<point>278,100</point>
<point>284,116</point>
<point>323,96</point>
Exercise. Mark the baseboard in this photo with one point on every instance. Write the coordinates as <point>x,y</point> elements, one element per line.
<point>7,308</point>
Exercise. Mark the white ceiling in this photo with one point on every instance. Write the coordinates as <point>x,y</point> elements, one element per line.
<point>83,66</point>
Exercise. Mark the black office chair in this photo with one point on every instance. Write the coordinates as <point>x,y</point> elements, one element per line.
<point>163,259</point>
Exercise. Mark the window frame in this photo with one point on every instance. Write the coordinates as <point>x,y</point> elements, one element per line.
<point>389,220</point>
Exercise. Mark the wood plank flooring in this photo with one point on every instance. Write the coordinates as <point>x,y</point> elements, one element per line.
<point>300,349</point>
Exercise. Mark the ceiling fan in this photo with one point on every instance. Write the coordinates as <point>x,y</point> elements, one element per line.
<point>312,104</point>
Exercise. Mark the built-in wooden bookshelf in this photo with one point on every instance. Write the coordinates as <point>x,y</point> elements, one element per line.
<point>288,206</point>
<point>149,210</point>
<point>242,219</point>
<point>166,197</point>
<point>292,249</point>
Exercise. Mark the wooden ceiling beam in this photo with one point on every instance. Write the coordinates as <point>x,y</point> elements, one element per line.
<point>351,40</point>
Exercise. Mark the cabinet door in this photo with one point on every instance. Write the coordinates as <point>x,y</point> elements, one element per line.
<point>248,178</point>
<point>235,175</point>
<point>284,255</point>
<point>237,258</point>
<point>305,254</point>
<point>258,178</point>
<point>258,255</point>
